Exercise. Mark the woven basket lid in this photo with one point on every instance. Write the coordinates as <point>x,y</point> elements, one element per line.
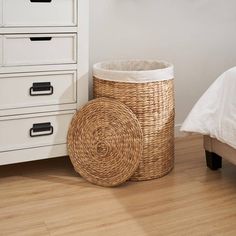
<point>105,142</point>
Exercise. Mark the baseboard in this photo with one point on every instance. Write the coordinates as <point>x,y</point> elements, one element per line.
<point>178,133</point>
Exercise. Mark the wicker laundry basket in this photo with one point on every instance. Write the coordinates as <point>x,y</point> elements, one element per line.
<point>147,88</point>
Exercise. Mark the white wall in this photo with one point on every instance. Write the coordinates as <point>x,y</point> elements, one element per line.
<point>197,36</point>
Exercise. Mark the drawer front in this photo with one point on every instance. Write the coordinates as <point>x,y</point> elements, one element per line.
<point>39,13</point>
<point>36,131</point>
<point>37,89</point>
<point>39,49</point>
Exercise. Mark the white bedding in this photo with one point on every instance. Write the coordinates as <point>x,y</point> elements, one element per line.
<point>215,112</point>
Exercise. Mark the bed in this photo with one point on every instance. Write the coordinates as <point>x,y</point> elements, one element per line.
<point>214,116</point>
<point>215,150</point>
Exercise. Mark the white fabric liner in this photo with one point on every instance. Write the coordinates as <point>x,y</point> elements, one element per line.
<point>215,112</point>
<point>134,71</point>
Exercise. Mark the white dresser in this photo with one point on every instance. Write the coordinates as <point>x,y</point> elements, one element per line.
<point>43,75</point>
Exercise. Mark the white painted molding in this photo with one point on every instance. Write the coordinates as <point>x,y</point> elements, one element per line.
<point>83,52</point>
<point>177,131</point>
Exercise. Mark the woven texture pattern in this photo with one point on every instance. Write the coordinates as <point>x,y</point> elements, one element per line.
<point>105,142</point>
<point>153,104</point>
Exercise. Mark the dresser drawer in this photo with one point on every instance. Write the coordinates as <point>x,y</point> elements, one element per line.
<point>37,89</point>
<point>39,49</point>
<point>39,13</point>
<point>25,131</point>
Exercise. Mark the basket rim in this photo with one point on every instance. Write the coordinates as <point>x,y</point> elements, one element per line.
<point>164,72</point>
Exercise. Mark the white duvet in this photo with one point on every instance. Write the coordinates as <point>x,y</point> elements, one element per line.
<point>215,112</point>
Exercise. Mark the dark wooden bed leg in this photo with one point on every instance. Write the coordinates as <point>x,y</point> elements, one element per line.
<point>213,161</point>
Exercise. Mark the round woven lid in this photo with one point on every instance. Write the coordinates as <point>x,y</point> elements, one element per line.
<point>105,142</point>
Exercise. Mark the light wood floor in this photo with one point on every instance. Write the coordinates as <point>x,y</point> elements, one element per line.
<point>48,198</point>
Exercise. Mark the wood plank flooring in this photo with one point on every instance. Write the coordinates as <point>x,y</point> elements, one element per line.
<point>49,198</point>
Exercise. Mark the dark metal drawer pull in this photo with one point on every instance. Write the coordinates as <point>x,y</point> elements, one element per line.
<point>42,1</point>
<point>37,129</point>
<point>41,87</point>
<point>40,38</point>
